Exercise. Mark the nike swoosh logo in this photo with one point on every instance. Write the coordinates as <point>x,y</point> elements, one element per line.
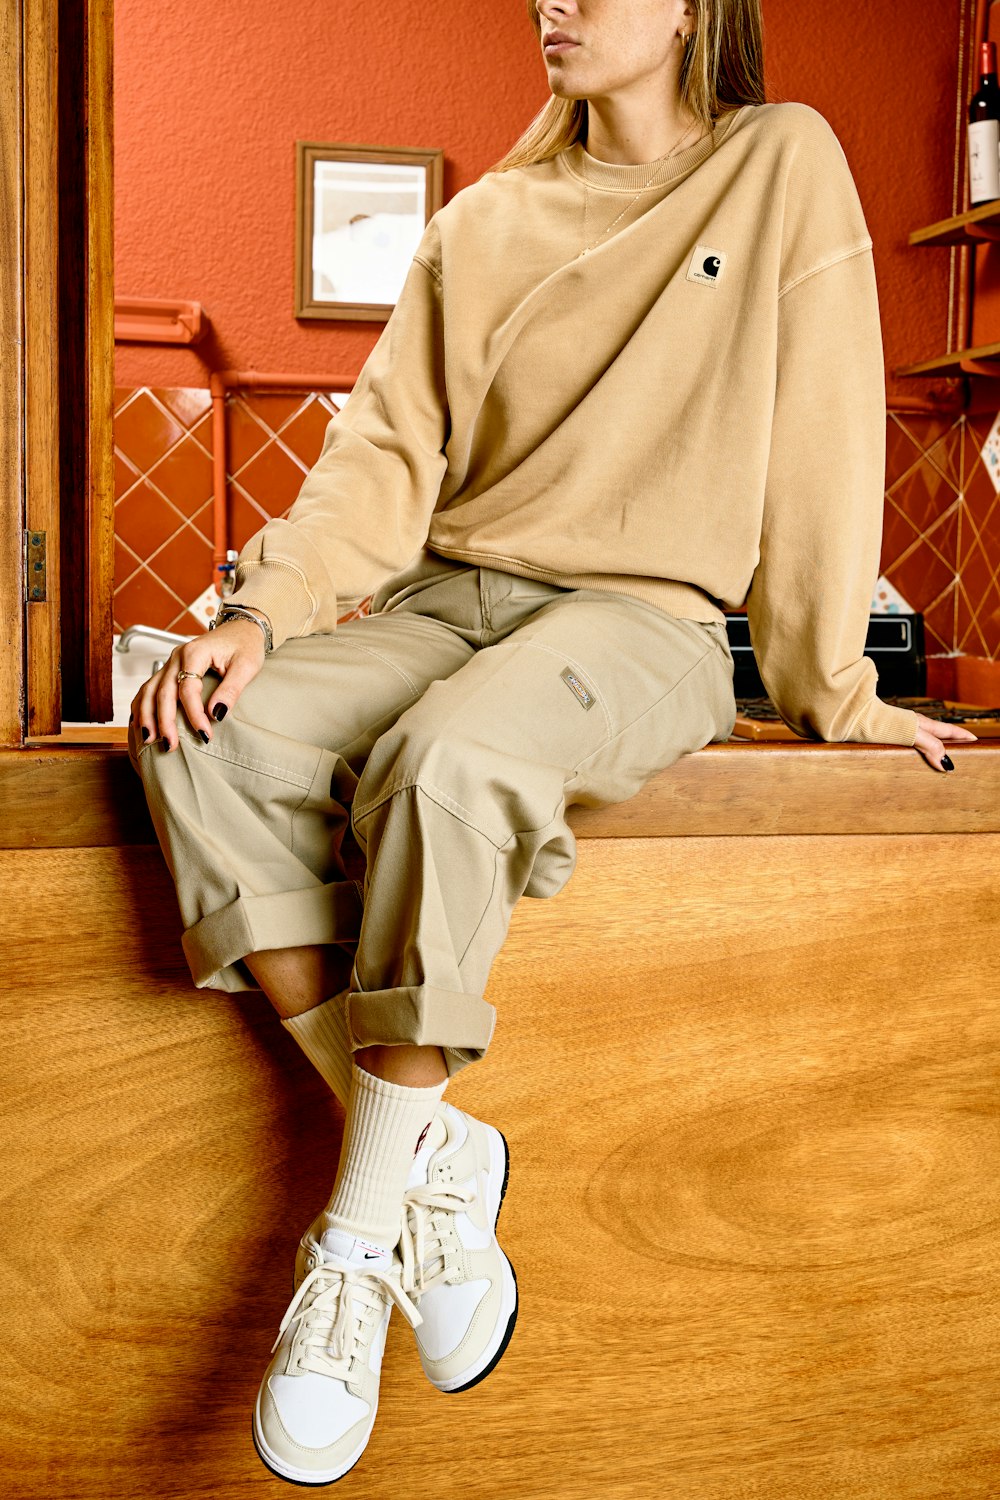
<point>482,1217</point>
<point>370,1256</point>
<point>478,1233</point>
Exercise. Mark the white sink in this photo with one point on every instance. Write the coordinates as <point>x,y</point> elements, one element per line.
<point>129,670</point>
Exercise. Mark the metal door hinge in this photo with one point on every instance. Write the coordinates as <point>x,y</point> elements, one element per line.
<point>34,566</point>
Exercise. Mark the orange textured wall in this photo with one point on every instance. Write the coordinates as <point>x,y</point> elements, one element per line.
<point>210,99</point>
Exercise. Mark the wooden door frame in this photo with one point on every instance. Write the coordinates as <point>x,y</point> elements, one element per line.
<point>57,376</point>
<point>12,479</point>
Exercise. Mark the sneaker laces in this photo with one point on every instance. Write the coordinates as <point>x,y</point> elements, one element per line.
<point>332,1309</point>
<point>428,1242</point>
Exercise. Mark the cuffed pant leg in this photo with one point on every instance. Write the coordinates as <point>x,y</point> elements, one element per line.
<point>461,807</point>
<point>254,825</point>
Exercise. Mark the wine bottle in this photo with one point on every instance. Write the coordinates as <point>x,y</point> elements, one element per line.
<point>984,130</point>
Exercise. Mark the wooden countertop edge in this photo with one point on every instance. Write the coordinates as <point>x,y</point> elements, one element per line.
<point>73,796</point>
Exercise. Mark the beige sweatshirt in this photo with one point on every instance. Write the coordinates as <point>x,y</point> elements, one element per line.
<point>693,413</point>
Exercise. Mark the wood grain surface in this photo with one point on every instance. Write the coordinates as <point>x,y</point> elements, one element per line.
<point>88,794</point>
<point>100,356</point>
<point>750,1093</point>
<point>86,355</point>
<point>40,186</point>
<point>12,309</point>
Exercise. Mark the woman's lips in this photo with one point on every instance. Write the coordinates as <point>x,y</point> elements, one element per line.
<point>553,47</point>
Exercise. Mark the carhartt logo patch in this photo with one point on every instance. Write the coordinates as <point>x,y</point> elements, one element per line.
<point>573,682</point>
<point>707,265</point>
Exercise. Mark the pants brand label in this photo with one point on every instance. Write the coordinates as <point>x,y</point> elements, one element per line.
<point>576,686</point>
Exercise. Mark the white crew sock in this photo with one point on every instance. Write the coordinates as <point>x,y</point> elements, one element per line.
<point>322,1034</point>
<point>386,1124</point>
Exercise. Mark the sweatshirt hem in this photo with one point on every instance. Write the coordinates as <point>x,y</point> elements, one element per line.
<point>684,600</point>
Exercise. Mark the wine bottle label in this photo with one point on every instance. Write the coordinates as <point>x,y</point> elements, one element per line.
<point>984,161</point>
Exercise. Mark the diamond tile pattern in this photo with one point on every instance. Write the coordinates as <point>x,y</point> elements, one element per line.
<point>940,541</point>
<point>163,488</point>
<point>941,536</point>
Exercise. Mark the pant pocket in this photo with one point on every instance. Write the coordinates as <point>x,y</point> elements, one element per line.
<point>696,709</point>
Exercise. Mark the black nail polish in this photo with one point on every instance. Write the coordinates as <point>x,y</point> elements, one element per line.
<point>219,711</point>
<point>165,742</point>
<point>946,761</point>
<point>145,732</point>
<point>204,735</point>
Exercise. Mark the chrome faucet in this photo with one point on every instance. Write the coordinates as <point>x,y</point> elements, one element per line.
<point>150,633</point>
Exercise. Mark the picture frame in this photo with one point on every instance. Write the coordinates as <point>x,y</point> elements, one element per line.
<point>360,212</point>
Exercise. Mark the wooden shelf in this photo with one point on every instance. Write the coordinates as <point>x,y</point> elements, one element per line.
<point>979,223</point>
<point>983,360</point>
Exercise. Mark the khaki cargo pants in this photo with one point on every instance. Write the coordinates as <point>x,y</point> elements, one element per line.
<point>394,786</point>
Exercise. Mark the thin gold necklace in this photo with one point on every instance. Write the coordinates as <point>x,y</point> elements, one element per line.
<point>657,165</point>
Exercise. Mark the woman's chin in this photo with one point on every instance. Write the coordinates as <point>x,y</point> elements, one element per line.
<point>562,88</point>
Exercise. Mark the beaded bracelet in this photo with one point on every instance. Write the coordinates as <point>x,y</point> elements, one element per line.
<point>241,612</point>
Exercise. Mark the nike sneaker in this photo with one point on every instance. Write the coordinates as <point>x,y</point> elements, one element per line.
<point>452,1265</point>
<point>317,1401</point>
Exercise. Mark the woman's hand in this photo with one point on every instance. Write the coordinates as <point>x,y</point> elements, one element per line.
<point>931,738</point>
<point>235,649</point>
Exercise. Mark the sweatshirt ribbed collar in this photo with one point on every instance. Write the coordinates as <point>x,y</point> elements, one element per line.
<point>631,177</point>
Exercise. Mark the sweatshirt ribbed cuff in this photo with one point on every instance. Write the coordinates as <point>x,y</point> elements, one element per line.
<point>280,591</point>
<point>884,724</point>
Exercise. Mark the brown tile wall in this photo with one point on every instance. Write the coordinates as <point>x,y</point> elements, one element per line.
<point>940,544</point>
<point>941,539</point>
<point>163,488</point>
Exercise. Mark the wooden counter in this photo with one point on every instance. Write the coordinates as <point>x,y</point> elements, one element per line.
<point>746,1063</point>
<point>64,796</point>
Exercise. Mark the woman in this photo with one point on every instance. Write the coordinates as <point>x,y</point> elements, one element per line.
<point>634,378</point>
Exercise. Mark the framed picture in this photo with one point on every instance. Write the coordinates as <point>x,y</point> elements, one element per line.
<point>359,214</point>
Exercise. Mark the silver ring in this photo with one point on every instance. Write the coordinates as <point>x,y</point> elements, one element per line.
<point>181,676</point>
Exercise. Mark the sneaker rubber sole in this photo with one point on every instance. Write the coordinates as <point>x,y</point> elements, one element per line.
<point>270,1461</point>
<point>508,1314</point>
<point>303,1477</point>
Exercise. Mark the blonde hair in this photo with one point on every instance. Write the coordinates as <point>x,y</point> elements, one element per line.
<point>723,69</point>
